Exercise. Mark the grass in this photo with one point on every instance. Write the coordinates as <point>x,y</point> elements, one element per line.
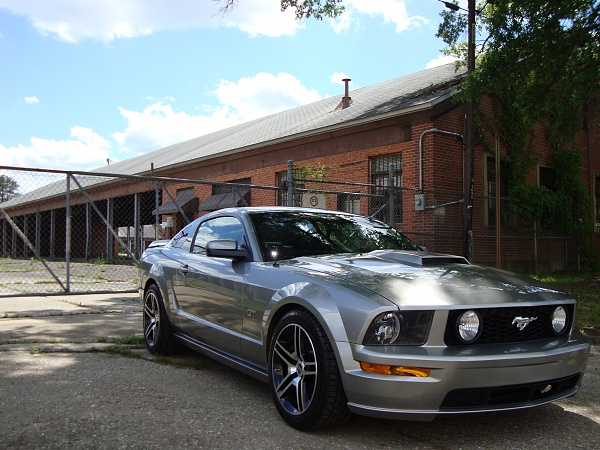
<point>584,287</point>
<point>129,340</point>
<point>119,350</point>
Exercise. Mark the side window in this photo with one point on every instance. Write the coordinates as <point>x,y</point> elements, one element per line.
<point>183,239</point>
<point>219,228</point>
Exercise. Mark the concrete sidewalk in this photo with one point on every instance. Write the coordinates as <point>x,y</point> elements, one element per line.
<point>68,319</point>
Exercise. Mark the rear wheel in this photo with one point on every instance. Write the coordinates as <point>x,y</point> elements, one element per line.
<point>304,375</point>
<point>158,331</point>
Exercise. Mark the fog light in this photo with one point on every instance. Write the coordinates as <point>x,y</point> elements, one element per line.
<point>559,320</point>
<point>402,371</point>
<point>469,326</point>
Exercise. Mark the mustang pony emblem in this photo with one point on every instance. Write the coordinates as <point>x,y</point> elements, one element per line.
<point>522,322</point>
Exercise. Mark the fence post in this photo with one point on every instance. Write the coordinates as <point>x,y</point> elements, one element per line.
<point>290,183</point>
<point>68,234</point>
<point>391,199</point>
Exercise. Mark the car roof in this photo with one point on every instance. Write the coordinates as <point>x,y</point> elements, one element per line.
<point>251,209</point>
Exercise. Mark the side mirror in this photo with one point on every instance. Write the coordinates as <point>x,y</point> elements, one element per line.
<point>226,248</point>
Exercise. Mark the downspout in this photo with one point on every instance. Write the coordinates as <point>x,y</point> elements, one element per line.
<point>435,130</point>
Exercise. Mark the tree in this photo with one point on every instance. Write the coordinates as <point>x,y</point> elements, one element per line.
<point>543,57</point>
<point>540,63</point>
<point>8,188</point>
<point>304,8</point>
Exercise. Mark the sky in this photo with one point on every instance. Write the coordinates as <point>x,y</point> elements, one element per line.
<point>87,83</point>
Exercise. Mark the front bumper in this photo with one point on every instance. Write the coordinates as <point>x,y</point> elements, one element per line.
<point>463,379</point>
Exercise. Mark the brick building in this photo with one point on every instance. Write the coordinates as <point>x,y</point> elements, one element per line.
<point>410,122</point>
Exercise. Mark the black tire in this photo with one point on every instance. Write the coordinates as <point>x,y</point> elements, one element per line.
<point>304,375</point>
<point>158,331</point>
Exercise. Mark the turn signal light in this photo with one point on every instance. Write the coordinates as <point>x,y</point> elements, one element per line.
<point>402,371</point>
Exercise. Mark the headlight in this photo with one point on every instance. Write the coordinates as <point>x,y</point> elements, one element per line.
<point>559,320</point>
<point>469,326</point>
<point>400,328</point>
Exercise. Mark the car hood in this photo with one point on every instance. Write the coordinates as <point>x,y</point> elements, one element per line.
<point>417,279</point>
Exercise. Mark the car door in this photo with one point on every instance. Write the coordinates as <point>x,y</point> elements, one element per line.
<point>209,293</point>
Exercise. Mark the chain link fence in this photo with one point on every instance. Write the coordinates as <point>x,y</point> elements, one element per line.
<point>84,232</point>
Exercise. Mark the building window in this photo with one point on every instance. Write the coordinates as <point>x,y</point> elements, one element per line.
<point>380,179</point>
<point>597,201</point>
<point>547,179</point>
<point>490,192</point>
<point>348,203</point>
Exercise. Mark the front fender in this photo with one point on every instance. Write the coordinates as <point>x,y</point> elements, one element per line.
<point>344,314</point>
<point>313,298</point>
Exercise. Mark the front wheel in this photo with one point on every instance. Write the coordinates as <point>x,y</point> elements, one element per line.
<point>158,332</point>
<point>304,375</point>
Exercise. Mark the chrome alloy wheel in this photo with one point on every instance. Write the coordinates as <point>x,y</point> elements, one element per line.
<point>294,369</point>
<point>151,318</point>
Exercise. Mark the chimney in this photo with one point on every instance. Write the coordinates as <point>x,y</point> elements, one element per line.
<point>346,100</point>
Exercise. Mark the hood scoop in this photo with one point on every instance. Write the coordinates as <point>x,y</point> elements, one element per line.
<point>420,259</point>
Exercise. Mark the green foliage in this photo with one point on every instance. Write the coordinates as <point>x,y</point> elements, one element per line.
<point>304,8</point>
<point>544,57</point>
<point>453,30</point>
<point>571,197</point>
<point>314,8</point>
<point>307,173</point>
<point>586,288</point>
<point>540,62</point>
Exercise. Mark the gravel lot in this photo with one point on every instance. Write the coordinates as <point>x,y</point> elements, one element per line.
<point>59,394</point>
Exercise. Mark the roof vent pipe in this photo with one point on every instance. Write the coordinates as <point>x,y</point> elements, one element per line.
<point>346,100</point>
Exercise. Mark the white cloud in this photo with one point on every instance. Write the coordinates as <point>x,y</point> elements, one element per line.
<point>264,94</point>
<point>338,77</point>
<point>106,20</point>
<point>32,99</point>
<point>393,11</point>
<point>440,61</point>
<point>159,125</point>
<point>84,150</point>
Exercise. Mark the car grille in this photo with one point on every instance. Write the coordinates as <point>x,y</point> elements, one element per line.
<point>498,327</point>
<point>509,396</point>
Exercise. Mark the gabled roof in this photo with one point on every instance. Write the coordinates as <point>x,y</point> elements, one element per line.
<point>399,96</point>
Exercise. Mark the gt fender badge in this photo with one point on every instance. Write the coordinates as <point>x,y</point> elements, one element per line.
<point>522,322</point>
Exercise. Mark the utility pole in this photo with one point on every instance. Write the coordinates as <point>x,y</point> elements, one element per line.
<point>470,140</point>
<point>469,179</point>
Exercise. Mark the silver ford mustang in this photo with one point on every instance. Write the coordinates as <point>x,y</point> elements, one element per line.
<point>340,313</point>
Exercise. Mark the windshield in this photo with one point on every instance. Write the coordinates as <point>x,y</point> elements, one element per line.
<point>286,234</point>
